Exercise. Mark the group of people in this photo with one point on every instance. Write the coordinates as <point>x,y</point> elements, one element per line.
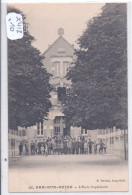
<point>62,145</point>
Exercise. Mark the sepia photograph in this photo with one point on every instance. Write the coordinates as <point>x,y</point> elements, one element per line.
<point>67,97</point>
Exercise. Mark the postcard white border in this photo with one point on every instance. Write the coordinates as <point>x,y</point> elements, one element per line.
<point>4,94</point>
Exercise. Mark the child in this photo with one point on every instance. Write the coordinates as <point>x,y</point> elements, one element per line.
<point>95,147</point>
<point>42,149</point>
<point>46,149</point>
<point>85,147</point>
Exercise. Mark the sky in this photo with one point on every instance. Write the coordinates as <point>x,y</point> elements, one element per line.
<point>46,18</point>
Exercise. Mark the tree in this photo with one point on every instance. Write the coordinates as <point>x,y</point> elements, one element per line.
<point>98,94</point>
<point>28,81</point>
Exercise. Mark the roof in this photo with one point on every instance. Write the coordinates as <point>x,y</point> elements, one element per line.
<point>60,37</point>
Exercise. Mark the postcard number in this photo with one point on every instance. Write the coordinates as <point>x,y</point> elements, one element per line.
<point>14,24</point>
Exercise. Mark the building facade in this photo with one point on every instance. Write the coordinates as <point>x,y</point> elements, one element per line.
<point>14,139</point>
<point>116,141</point>
<point>58,59</point>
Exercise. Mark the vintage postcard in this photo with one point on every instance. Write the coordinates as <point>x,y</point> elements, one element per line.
<point>67,97</point>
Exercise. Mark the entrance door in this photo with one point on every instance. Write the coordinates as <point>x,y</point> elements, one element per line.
<point>59,127</point>
<point>66,131</point>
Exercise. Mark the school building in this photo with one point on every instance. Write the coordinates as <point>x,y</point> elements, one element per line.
<point>58,59</point>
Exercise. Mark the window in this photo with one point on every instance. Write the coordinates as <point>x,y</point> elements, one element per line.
<point>57,130</point>
<point>57,120</point>
<point>85,131</point>
<point>56,68</point>
<point>65,67</point>
<point>61,50</point>
<point>61,93</point>
<point>59,69</point>
<point>23,132</point>
<point>40,128</point>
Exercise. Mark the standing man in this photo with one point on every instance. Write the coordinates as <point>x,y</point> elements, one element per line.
<point>44,143</point>
<point>36,147</point>
<point>32,146</point>
<point>46,149</point>
<point>49,146</point>
<point>101,147</point>
<point>104,148</point>
<point>70,146</point>
<point>20,148</point>
<point>73,145</point>
<point>65,146</point>
<point>81,146</point>
<point>90,146</point>
<point>77,146</point>
<point>26,148</point>
<point>85,147</point>
<point>39,147</point>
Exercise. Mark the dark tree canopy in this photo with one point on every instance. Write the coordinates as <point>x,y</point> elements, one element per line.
<point>98,95</point>
<point>28,81</point>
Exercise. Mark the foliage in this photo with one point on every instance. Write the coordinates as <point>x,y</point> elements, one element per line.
<point>98,94</point>
<point>28,81</point>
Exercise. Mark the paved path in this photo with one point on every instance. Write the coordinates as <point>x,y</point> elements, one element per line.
<point>43,161</point>
<point>65,170</point>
